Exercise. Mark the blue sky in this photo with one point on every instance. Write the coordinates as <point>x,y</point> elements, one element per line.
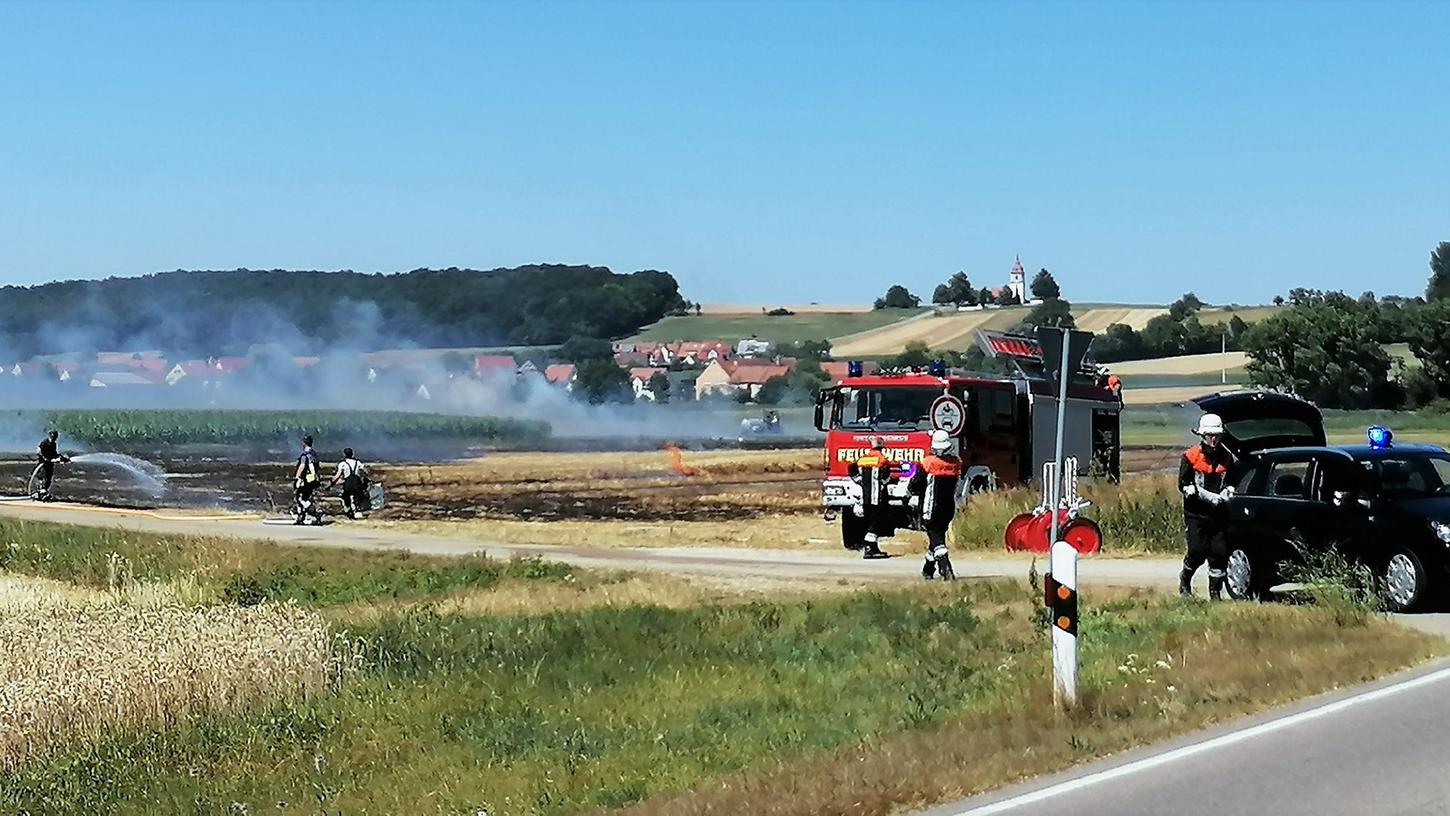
<point>761,152</point>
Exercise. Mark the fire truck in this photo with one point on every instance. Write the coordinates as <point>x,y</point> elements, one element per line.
<point>1003,426</point>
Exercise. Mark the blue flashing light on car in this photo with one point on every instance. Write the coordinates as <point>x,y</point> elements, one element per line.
<point>937,368</point>
<point>1379,437</point>
<point>854,368</point>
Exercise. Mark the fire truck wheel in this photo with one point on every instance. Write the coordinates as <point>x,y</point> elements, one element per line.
<point>853,530</point>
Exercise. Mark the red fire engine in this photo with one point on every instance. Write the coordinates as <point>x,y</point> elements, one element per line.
<point>1003,429</point>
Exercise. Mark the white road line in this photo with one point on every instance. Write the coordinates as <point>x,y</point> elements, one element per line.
<point>1150,762</point>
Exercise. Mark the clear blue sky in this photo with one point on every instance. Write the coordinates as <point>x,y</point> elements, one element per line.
<point>762,153</point>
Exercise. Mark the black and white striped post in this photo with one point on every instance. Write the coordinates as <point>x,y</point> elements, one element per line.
<point>1061,592</point>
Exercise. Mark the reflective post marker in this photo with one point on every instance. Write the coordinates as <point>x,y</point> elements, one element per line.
<point>1062,597</point>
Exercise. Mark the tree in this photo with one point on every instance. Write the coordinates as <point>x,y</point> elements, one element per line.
<point>586,349</point>
<point>1119,342</point>
<point>1007,298</point>
<point>897,297</point>
<point>1184,306</point>
<point>799,387</point>
<point>1044,286</point>
<point>1428,333</point>
<point>601,381</point>
<point>1278,300</point>
<point>984,295</point>
<point>957,291</point>
<point>659,386</point>
<point>1439,286</point>
<point>1325,349</point>
<point>1054,312</point>
<point>805,349</point>
<point>916,355</point>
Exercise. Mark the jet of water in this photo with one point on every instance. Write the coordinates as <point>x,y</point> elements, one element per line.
<point>147,476</point>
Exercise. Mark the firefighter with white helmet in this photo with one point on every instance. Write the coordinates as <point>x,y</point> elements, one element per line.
<point>1203,480</point>
<point>934,487</point>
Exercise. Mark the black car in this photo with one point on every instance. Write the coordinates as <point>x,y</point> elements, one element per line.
<point>1383,504</point>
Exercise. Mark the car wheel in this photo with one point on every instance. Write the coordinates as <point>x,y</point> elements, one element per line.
<point>1405,580</point>
<point>1241,581</point>
<point>853,529</point>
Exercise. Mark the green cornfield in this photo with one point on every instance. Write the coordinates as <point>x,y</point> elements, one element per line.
<point>129,428</point>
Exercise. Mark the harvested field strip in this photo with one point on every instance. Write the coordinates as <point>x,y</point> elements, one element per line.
<point>1186,364</point>
<point>836,705</point>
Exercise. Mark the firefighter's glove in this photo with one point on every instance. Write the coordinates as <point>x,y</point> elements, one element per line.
<point>914,501</point>
<point>1190,490</point>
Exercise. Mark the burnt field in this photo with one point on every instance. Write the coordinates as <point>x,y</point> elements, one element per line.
<point>647,486</point>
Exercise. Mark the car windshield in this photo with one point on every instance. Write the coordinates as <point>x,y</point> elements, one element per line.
<point>1410,476</point>
<point>887,408</point>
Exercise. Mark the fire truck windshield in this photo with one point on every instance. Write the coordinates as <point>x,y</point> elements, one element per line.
<point>895,408</point>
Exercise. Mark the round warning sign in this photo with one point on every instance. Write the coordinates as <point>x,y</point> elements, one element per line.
<point>948,414</point>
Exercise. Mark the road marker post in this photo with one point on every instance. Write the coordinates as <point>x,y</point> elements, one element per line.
<point>1062,604</point>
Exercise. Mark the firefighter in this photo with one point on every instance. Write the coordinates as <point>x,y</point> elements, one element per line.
<point>934,489</point>
<point>305,481</point>
<point>47,454</point>
<point>353,475</point>
<point>873,470</point>
<point>1202,478</point>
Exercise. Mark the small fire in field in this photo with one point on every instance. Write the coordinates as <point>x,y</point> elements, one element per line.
<point>677,460</point>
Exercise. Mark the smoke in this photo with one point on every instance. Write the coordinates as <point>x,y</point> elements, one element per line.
<point>347,373</point>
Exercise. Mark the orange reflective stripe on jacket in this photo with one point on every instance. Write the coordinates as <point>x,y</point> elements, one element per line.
<point>1200,463</point>
<point>937,466</point>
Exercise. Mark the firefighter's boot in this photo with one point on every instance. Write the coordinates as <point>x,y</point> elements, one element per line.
<point>1185,583</point>
<point>871,550</point>
<point>928,569</point>
<point>944,566</point>
<point>1215,587</point>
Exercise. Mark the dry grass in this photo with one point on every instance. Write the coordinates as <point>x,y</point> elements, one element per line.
<point>1278,654</point>
<point>78,664</point>
<point>1184,364</point>
<point>782,531</point>
<point>605,589</point>
<point>532,468</point>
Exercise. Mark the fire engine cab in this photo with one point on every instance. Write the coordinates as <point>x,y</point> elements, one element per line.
<point>1003,427</point>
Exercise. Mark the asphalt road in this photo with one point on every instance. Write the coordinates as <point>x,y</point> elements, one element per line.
<point>1378,749</point>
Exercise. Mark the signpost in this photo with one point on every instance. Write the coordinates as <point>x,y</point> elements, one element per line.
<point>1063,351</point>
<point>948,414</point>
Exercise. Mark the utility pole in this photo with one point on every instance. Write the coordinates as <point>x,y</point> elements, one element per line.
<point>1223,357</point>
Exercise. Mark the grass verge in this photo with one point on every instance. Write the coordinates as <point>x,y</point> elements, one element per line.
<point>859,704</point>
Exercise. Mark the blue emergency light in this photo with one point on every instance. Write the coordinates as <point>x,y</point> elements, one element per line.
<point>1379,437</point>
<point>937,368</point>
<point>853,368</point>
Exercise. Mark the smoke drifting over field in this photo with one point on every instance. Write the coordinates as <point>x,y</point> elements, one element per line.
<point>347,372</point>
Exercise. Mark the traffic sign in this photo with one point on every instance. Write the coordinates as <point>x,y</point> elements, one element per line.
<point>948,414</point>
<point>1052,342</point>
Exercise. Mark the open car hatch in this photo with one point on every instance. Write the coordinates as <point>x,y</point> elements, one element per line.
<point>1255,421</point>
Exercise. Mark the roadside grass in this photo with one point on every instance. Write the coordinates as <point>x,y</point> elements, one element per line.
<point>1171,424</point>
<point>861,704</point>
<point>1152,669</point>
<point>246,572</point>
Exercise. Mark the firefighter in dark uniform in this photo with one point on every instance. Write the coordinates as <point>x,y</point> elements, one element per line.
<point>1203,480</point>
<point>873,470</point>
<point>934,488</point>
<point>306,479</point>
<point>47,454</point>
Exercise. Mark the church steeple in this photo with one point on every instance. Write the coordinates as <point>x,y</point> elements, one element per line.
<point>1017,284</point>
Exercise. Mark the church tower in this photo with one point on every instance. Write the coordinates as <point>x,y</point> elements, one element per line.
<point>1017,284</point>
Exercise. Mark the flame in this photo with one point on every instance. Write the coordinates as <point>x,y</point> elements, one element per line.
<point>677,460</point>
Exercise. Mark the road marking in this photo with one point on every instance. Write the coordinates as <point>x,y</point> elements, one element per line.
<point>1220,741</point>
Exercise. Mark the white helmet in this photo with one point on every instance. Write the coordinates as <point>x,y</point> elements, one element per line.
<point>1210,424</point>
<point>941,441</point>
